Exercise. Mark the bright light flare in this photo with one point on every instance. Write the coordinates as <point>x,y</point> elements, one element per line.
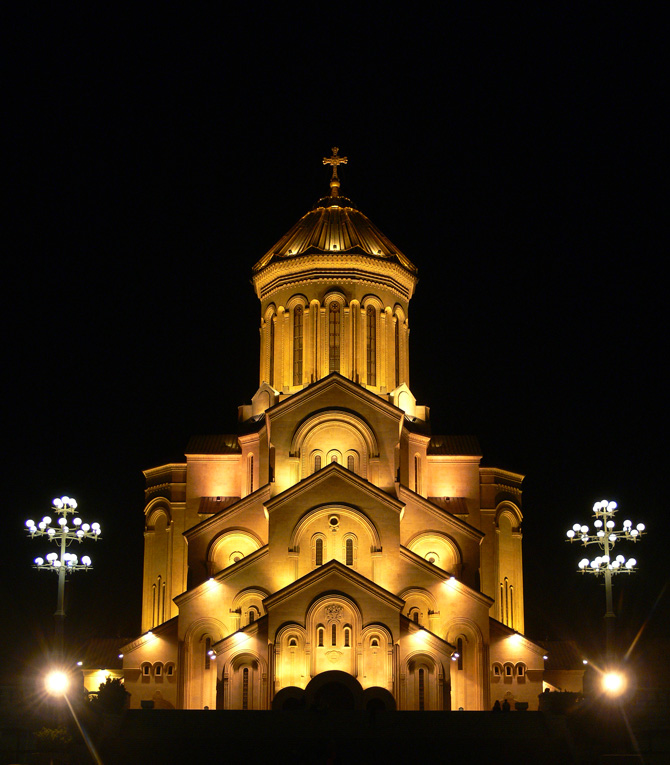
<point>57,683</point>
<point>614,683</point>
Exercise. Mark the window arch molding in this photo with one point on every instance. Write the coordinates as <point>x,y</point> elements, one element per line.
<point>512,513</point>
<point>451,557</point>
<point>155,510</point>
<point>423,600</point>
<point>323,420</point>
<point>342,510</point>
<point>252,597</point>
<point>241,539</point>
<point>355,622</point>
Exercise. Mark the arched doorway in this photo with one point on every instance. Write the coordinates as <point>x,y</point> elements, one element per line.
<point>334,691</point>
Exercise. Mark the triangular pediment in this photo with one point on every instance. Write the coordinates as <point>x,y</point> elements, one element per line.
<point>335,481</point>
<point>331,577</point>
<point>335,391</point>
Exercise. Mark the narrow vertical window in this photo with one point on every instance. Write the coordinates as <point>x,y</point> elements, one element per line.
<point>511,605</point>
<point>208,648</point>
<point>251,473</point>
<point>372,345</point>
<point>349,552</point>
<point>272,351</point>
<point>422,690</point>
<point>318,553</point>
<point>333,635</point>
<point>459,647</point>
<point>334,337</point>
<point>347,637</point>
<point>350,463</point>
<point>416,473</point>
<point>317,462</point>
<point>163,602</point>
<point>154,606</point>
<point>506,602</point>
<point>397,351</point>
<point>245,688</point>
<point>158,602</point>
<point>320,637</point>
<point>297,345</point>
<point>252,616</point>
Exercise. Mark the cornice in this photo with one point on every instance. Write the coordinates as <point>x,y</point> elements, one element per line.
<point>308,484</point>
<point>318,267</point>
<point>333,567</point>
<point>304,396</point>
<point>438,574</point>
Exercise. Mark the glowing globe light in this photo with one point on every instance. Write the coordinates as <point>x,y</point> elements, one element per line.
<point>57,683</point>
<point>614,683</point>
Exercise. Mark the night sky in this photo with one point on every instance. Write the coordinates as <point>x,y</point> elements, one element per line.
<point>515,157</point>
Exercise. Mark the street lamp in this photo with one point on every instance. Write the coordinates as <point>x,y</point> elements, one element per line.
<point>63,562</point>
<point>57,683</point>
<point>606,535</point>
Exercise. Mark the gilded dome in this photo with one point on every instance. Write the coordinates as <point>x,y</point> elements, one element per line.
<point>334,226</point>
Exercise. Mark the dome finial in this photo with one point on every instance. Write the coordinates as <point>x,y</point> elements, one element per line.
<point>334,160</point>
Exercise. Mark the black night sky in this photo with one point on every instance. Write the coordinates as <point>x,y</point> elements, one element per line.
<point>515,156</point>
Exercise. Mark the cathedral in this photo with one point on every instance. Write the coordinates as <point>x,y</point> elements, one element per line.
<point>333,552</point>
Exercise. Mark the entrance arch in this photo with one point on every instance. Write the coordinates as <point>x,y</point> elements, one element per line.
<point>334,691</point>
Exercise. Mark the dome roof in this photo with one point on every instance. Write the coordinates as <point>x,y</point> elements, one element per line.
<point>333,226</point>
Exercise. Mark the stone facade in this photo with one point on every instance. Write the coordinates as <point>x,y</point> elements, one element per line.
<point>333,551</point>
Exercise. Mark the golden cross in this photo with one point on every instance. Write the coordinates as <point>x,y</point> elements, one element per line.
<point>334,160</point>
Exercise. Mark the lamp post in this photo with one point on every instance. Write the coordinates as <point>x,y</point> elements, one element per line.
<point>606,536</point>
<point>63,562</point>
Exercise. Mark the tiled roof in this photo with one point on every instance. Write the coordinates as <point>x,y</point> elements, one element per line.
<point>455,445</point>
<point>215,444</point>
<point>103,653</point>
<point>562,654</point>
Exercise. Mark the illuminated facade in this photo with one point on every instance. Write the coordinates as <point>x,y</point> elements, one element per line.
<point>333,551</point>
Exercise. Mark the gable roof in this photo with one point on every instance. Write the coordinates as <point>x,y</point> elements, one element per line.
<point>333,571</point>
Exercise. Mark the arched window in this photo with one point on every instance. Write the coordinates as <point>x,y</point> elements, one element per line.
<point>350,463</point>
<point>317,462</point>
<point>334,337</point>
<point>372,345</point>
<point>208,648</point>
<point>272,350</point>
<point>251,473</point>
<point>318,552</point>
<point>297,344</point>
<point>396,343</point>
<point>320,636</point>
<point>422,689</point>
<point>417,463</point>
<point>245,688</point>
<point>333,635</point>
<point>349,552</point>
<point>347,637</point>
<point>520,670</point>
<point>374,643</point>
<point>292,643</point>
<point>459,650</point>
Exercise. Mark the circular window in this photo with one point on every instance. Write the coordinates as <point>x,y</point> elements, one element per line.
<point>333,521</point>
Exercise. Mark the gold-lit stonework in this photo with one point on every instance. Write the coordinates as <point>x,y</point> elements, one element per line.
<point>333,533</point>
